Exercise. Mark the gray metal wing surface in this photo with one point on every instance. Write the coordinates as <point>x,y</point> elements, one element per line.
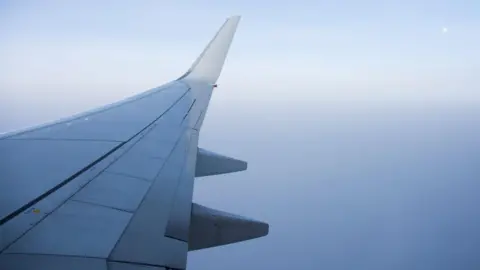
<point>112,188</point>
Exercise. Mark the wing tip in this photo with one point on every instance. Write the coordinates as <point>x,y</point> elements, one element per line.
<point>234,18</point>
<point>208,66</point>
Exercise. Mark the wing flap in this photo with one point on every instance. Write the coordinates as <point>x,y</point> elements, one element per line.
<point>114,191</point>
<point>59,233</point>
<point>143,241</point>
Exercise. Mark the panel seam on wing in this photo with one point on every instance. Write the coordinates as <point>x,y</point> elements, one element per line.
<point>100,205</point>
<point>146,194</point>
<point>25,207</point>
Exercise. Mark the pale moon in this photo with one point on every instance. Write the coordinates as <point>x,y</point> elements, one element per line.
<point>444,29</point>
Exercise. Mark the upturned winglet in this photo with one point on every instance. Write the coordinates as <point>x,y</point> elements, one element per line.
<point>208,65</point>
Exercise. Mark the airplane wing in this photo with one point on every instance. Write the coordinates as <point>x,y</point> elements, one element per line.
<point>112,188</point>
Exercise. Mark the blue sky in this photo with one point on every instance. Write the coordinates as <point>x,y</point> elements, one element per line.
<point>328,50</point>
<point>359,119</point>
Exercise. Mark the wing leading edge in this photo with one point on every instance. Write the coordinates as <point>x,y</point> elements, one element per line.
<point>112,188</point>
